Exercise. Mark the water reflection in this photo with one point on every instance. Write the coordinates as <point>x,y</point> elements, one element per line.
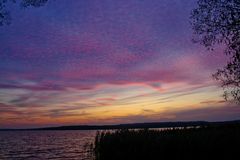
<point>46,144</point>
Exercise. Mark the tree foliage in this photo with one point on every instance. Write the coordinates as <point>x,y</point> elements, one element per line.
<point>218,22</point>
<point>34,3</point>
<point>5,17</point>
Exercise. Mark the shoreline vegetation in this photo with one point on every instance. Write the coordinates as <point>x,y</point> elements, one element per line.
<point>159,140</point>
<point>131,126</point>
<point>199,142</point>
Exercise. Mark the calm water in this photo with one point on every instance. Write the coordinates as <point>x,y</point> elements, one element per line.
<point>38,145</point>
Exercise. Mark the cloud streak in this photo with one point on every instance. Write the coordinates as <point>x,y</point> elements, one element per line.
<point>80,59</point>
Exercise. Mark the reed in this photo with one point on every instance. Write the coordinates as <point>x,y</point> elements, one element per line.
<point>185,143</point>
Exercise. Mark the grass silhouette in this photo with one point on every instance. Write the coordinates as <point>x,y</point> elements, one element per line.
<point>220,141</point>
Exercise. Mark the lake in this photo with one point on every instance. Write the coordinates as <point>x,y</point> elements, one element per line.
<point>41,145</point>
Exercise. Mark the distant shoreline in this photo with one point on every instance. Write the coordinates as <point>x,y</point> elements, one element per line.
<point>132,126</point>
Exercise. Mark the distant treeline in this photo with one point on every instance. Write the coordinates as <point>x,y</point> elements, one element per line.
<point>134,125</point>
<point>206,142</point>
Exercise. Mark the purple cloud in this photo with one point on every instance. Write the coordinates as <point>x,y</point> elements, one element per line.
<point>80,54</point>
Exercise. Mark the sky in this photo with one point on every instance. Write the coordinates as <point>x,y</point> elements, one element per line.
<point>107,62</point>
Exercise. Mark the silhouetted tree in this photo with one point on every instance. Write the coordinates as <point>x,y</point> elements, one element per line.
<point>34,3</point>
<point>218,22</point>
<point>4,14</point>
<point>5,17</point>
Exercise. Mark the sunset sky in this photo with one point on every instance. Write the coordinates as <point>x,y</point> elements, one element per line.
<point>107,62</point>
